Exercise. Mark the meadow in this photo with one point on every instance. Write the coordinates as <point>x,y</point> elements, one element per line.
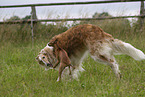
<point>21,75</point>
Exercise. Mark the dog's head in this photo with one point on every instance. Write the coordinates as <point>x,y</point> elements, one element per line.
<point>44,59</point>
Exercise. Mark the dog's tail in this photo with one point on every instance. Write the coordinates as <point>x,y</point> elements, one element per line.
<point>120,47</point>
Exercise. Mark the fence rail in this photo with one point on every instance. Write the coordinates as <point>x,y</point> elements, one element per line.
<point>69,3</point>
<point>71,19</point>
<point>34,17</point>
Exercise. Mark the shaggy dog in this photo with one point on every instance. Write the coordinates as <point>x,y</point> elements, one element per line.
<point>87,38</point>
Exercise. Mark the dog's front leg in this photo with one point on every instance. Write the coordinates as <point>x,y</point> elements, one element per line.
<point>58,60</point>
<point>56,63</point>
<point>61,68</point>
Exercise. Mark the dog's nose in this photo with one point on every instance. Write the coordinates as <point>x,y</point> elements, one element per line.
<point>49,65</point>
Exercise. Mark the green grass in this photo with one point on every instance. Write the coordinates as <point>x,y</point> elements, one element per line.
<point>21,75</point>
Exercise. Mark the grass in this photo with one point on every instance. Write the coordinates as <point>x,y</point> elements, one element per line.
<point>21,76</point>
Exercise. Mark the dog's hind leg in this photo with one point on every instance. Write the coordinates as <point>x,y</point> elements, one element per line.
<point>70,70</point>
<point>109,61</point>
<point>115,67</point>
<point>70,65</point>
<point>70,73</point>
<point>103,53</point>
<point>113,64</point>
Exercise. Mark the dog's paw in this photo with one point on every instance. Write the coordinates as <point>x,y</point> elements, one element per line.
<point>58,80</point>
<point>46,69</point>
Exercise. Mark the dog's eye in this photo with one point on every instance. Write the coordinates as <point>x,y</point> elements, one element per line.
<point>43,57</point>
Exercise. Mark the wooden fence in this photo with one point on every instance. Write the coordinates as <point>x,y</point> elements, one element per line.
<point>34,17</point>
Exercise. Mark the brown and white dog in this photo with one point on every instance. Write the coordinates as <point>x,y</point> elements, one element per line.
<point>87,38</point>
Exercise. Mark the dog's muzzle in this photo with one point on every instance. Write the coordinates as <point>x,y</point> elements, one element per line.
<point>50,65</point>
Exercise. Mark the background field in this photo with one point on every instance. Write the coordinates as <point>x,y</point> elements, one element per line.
<point>20,74</point>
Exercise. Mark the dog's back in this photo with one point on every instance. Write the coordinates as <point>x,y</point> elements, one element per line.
<point>77,39</point>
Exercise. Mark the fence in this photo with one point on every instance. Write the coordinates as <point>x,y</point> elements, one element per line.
<point>34,17</point>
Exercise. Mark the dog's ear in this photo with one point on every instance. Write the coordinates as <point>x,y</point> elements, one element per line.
<point>52,42</point>
<point>45,53</point>
<point>41,51</point>
<point>48,44</point>
<point>55,41</point>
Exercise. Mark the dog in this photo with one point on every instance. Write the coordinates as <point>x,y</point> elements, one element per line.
<point>62,57</point>
<point>43,58</point>
<point>80,40</point>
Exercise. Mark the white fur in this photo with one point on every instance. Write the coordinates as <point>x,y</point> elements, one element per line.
<point>78,61</point>
<point>120,47</point>
<point>50,47</point>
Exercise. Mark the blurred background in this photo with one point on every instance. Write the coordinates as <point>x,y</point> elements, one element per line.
<point>45,30</point>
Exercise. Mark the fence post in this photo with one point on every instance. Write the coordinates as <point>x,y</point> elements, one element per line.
<point>142,12</point>
<point>33,24</point>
